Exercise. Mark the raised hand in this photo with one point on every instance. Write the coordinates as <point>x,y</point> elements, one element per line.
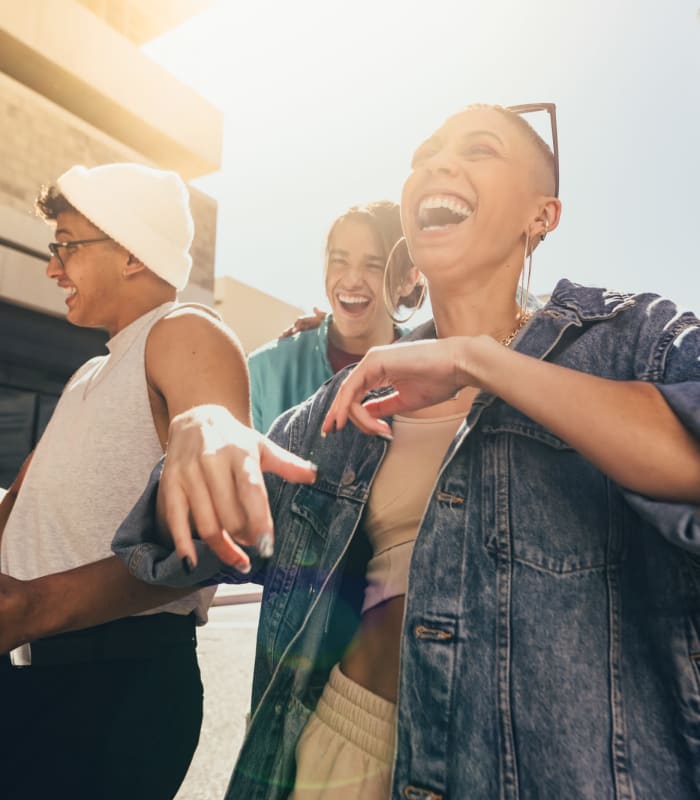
<point>421,374</point>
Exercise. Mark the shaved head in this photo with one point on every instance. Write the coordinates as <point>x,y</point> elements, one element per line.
<point>543,166</point>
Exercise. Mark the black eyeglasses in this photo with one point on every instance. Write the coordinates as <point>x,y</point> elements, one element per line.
<point>68,247</point>
<point>551,109</point>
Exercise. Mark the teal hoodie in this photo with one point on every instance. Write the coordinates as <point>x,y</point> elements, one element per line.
<point>285,372</point>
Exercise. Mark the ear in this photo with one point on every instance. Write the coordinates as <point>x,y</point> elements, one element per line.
<point>133,266</point>
<point>547,219</point>
<point>408,284</point>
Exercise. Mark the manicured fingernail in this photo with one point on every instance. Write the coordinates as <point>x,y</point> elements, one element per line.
<point>265,545</point>
<point>244,568</point>
<point>387,437</point>
<point>323,434</point>
<point>313,466</point>
<point>187,565</point>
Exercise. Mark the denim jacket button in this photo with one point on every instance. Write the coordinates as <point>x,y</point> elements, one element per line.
<point>347,478</point>
<point>432,634</point>
<point>416,793</point>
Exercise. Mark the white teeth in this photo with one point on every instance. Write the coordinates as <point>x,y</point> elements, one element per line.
<point>352,299</point>
<point>450,202</point>
<point>69,291</point>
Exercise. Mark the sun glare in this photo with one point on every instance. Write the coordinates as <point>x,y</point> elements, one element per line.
<point>324,102</point>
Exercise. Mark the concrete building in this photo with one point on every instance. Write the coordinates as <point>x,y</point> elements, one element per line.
<point>256,317</point>
<point>76,89</point>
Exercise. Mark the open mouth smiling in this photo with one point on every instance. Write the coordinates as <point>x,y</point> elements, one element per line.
<point>440,211</point>
<point>352,303</point>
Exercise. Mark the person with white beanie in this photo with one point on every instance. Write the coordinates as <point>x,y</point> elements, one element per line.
<point>113,710</point>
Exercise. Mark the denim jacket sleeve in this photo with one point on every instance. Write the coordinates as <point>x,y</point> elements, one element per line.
<point>149,560</point>
<point>674,367</point>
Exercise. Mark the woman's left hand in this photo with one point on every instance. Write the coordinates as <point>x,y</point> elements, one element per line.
<point>421,374</point>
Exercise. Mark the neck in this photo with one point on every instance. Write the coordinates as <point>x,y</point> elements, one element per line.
<point>476,307</point>
<point>130,311</point>
<point>359,345</point>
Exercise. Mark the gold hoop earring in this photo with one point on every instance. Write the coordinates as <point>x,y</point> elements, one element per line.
<point>388,302</point>
<point>527,262</point>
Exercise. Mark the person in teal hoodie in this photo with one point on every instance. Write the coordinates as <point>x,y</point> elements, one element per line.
<point>365,288</point>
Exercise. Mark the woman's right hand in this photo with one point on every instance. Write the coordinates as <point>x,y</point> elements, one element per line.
<point>213,480</point>
<point>421,374</point>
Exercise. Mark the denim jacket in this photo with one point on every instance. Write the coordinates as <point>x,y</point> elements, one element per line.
<point>551,640</point>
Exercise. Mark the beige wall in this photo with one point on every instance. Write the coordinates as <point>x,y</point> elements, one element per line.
<point>142,21</point>
<point>255,316</point>
<point>66,53</point>
<point>39,140</point>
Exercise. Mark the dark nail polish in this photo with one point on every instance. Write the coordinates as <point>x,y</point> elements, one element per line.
<point>187,565</point>
<point>265,545</point>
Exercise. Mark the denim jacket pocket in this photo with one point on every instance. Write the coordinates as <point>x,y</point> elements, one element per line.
<point>564,533</point>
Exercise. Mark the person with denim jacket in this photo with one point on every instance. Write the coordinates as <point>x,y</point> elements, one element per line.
<point>547,643</point>
<point>549,629</point>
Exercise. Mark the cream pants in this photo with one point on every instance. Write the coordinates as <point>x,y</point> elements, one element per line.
<point>346,750</point>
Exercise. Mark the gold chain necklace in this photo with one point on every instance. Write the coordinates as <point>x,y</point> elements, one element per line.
<point>522,322</point>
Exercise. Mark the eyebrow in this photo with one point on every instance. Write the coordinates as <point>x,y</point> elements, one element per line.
<point>62,231</point>
<point>482,132</point>
<point>336,251</point>
<point>436,141</point>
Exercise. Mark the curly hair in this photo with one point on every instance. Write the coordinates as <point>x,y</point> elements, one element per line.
<point>50,203</point>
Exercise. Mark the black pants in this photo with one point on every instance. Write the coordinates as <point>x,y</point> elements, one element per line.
<point>106,729</point>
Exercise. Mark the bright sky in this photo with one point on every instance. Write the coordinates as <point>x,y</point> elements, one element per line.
<point>324,102</point>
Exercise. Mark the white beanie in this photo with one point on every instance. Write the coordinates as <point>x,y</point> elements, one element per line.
<point>145,210</point>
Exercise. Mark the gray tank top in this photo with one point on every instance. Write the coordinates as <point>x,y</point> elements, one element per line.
<point>90,467</point>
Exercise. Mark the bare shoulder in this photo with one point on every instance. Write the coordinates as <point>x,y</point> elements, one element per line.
<point>191,326</point>
<point>194,358</point>
<point>193,310</point>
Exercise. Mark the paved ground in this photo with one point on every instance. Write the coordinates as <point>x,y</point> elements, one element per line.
<point>226,646</point>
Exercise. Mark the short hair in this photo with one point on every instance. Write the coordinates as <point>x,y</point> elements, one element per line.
<point>384,218</point>
<point>50,203</point>
<point>541,147</point>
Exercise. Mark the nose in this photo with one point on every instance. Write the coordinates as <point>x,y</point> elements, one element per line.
<point>354,275</point>
<point>54,268</point>
<point>442,162</point>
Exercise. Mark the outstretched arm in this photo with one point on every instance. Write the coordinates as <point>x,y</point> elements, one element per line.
<point>212,475</point>
<point>78,598</point>
<point>190,356</point>
<point>625,428</point>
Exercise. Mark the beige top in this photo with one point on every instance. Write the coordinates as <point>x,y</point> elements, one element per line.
<point>398,499</point>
